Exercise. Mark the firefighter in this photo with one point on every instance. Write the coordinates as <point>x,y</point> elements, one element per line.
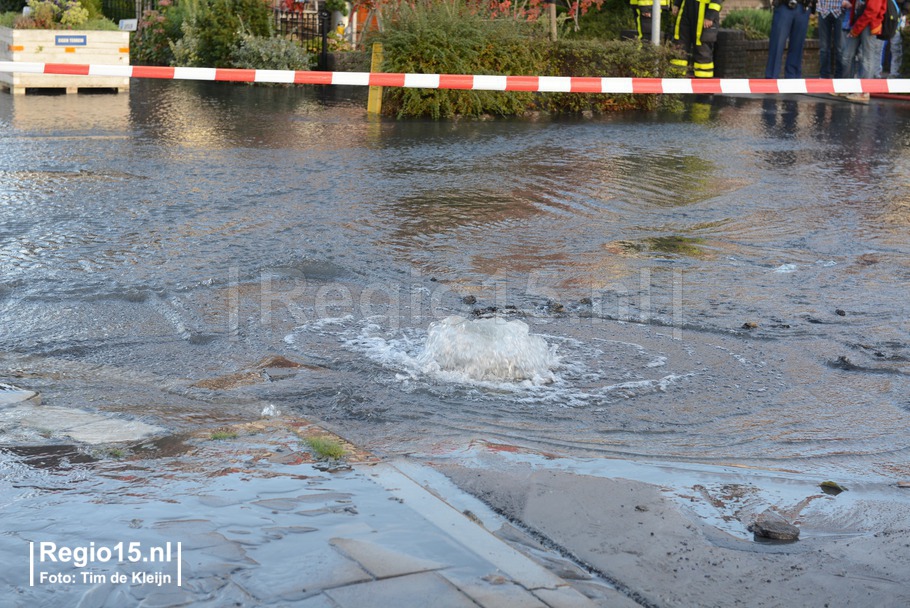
<point>643,10</point>
<point>695,31</point>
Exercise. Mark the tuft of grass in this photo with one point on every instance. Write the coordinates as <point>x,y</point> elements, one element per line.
<point>325,447</point>
<point>681,245</point>
<point>222,435</point>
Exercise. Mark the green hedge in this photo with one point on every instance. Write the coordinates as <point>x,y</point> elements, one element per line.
<point>451,39</point>
<point>612,58</point>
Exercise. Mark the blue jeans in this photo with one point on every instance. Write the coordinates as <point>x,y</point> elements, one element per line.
<point>895,45</point>
<point>787,23</point>
<point>870,55</point>
<point>831,43</point>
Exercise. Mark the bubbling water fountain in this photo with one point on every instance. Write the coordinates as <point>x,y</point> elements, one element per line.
<point>488,350</point>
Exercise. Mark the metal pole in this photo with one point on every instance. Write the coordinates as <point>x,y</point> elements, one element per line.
<point>324,19</point>
<point>655,23</point>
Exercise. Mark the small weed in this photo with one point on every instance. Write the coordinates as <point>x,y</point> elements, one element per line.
<point>681,245</point>
<point>222,435</point>
<point>116,453</point>
<point>325,447</point>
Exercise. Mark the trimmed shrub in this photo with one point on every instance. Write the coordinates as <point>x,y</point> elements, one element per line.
<point>623,59</point>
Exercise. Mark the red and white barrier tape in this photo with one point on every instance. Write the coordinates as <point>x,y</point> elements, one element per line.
<point>564,84</point>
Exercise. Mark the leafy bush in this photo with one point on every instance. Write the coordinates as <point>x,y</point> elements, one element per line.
<point>152,43</point>
<point>198,32</point>
<point>94,9</point>
<point>266,53</point>
<point>56,14</point>
<point>219,28</point>
<point>605,23</point>
<point>452,39</point>
<point>438,38</point>
<point>21,22</point>
<point>100,23</point>
<point>755,22</point>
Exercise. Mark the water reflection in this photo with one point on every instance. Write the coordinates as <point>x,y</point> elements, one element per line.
<point>84,115</point>
<point>146,239</point>
<point>219,115</point>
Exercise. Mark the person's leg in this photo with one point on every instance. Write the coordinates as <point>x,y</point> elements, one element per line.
<point>848,56</point>
<point>780,29</point>
<point>839,36</point>
<point>897,55</point>
<point>703,60</point>
<point>871,52</point>
<point>798,29</point>
<point>643,23</point>
<point>681,41</point>
<point>826,59</point>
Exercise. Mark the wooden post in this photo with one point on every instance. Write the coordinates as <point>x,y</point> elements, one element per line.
<point>552,16</point>
<point>374,99</point>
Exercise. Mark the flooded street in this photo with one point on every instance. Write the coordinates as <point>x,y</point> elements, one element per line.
<point>726,284</point>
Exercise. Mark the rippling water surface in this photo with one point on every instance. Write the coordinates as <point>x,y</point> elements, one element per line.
<point>727,283</point>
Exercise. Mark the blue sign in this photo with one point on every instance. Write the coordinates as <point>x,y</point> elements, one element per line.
<point>70,40</point>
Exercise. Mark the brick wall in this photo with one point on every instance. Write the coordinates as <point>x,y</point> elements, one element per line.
<point>737,57</point>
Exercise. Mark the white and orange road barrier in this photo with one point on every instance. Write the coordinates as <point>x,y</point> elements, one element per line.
<point>564,84</point>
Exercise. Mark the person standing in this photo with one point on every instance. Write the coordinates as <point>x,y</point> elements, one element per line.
<point>643,20</point>
<point>831,37</point>
<point>789,26</point>
<point>895,47</point>
<point>866,22</point>
<point>695,32</point>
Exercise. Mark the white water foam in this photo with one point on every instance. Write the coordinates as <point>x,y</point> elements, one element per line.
<point>488,350</point>
<point>473,354</point>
